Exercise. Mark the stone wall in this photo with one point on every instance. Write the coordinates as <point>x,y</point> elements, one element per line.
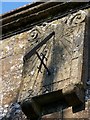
<point>12,50</point>
<point>17,78</point>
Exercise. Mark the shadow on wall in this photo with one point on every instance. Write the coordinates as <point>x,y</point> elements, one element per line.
<point>54,66</point>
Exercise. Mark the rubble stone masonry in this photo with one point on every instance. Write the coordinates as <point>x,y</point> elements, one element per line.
<point>17,78</point>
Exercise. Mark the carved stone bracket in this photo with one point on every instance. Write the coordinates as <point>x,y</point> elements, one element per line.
<point>72,95</point>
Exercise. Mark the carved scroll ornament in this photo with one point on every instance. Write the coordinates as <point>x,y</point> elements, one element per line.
<point>76,18</point>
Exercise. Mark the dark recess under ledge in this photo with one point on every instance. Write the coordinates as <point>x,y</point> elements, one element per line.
<point>43,104</point>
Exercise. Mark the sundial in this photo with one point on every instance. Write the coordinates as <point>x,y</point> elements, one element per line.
<point>41,57</point>
<point>52,65</point>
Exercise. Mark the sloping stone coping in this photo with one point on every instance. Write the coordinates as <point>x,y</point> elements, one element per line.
<point>24,18</point>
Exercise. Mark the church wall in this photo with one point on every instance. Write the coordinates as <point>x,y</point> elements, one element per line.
<point>15,83</point>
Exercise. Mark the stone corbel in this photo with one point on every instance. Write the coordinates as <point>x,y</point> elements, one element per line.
<point>73,94</point>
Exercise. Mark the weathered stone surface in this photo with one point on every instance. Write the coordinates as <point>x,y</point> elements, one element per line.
<point>64,53</point>
<point>11,68</point>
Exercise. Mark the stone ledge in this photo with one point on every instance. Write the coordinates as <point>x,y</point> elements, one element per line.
<point>72,95</point>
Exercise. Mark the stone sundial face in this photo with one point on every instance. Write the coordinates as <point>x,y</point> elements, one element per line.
<point>62,54</point>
